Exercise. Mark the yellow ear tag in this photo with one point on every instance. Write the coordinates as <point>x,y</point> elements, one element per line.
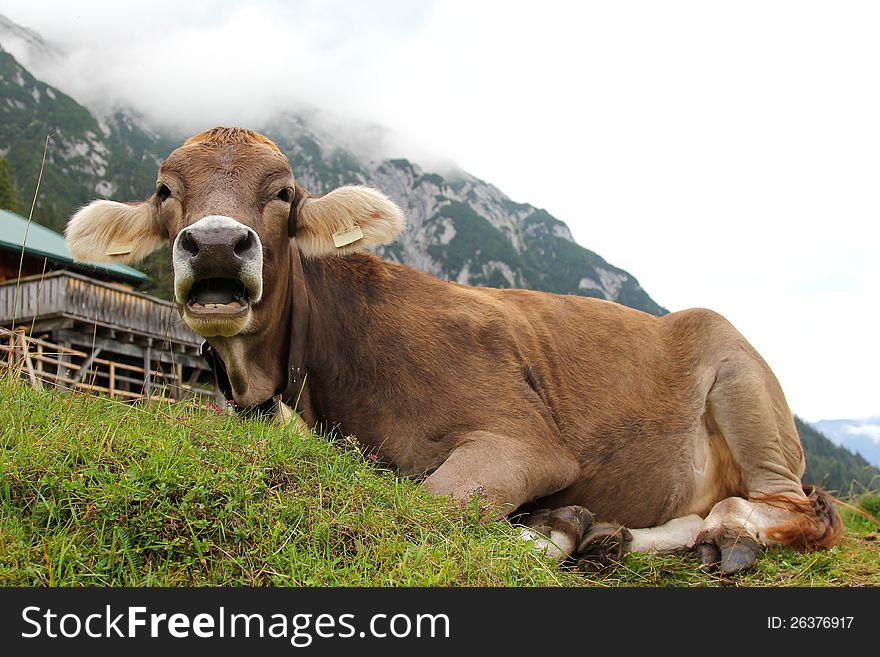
<point>346,237</point>
<point>120,252</point>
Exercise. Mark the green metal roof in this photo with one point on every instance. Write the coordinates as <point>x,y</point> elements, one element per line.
<point>43,242</point>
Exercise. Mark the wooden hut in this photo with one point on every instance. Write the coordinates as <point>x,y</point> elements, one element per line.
<point>86,327</point>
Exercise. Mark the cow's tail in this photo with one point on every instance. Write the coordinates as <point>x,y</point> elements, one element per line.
<point>816,525</point>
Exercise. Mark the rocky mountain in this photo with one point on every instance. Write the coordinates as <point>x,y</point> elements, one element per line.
<point>859,436</point>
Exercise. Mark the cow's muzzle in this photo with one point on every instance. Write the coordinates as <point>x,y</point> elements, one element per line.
<point>218,273</point>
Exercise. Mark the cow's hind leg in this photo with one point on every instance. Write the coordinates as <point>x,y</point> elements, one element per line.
<point>746,406</point>
<point>736,528</point>
<point>760,499</point>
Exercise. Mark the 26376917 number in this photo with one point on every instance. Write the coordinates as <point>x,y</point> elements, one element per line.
<point>810,622</point>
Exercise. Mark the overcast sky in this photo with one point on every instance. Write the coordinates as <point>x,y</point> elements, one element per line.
<point>725,154</point>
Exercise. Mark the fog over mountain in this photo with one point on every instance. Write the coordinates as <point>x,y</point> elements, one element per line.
<point>242,66</point>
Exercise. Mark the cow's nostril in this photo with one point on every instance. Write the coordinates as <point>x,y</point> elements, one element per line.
<point>244,245</point>
<point>188,244</point>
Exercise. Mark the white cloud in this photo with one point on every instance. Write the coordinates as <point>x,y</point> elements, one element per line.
<point>204,63</point>
<point>872,431</point>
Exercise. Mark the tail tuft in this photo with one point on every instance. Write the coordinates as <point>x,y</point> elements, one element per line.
<point>817,527</point>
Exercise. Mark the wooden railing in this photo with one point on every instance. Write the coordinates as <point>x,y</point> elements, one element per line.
<point>68,294</point>
<point>44,363</point>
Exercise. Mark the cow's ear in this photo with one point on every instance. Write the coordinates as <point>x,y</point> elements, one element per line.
<point>350,218</point>
<point>109,232</point>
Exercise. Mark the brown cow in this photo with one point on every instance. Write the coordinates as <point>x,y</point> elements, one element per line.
<point>539,404</point>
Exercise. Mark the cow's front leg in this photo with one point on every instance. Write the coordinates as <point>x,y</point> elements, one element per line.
<point>502,471</point>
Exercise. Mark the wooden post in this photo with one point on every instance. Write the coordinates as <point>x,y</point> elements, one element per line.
<point>11,349</point>
<point>111,384</point>
<point>26,358</point>
<point>192,382</point>
<point>177,391</point>
<point>17,360</point>
<point>148,374</point>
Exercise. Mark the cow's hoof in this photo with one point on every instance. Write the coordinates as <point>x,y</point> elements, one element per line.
<point>602,547</point>
<point>708,554</point>
<point>558,532</point>
<point>570,534</point>
<point>737,553</point>
<point>730,552</point>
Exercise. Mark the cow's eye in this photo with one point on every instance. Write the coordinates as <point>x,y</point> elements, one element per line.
<point>285,194</point>
<point>162,192</point>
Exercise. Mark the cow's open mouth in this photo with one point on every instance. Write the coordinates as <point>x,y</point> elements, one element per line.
<point>228,296</point>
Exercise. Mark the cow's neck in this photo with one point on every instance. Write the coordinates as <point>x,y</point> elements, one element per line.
<point>253,367</point>
<point>323,346</point>
<point>257,363</point>
<point>269,361</point>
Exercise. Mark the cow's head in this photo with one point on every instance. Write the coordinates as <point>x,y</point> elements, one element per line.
<point>228,204</point>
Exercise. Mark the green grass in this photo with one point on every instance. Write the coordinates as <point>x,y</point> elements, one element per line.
<point>96,492</point>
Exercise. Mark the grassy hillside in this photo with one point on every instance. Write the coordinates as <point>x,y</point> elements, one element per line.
<point>95,492</point>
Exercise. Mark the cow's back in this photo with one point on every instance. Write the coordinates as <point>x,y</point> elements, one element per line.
<point>608,365</point>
